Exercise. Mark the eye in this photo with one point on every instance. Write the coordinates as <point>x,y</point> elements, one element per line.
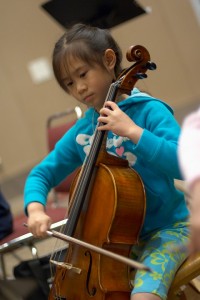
<point>69,84</point>
<point>83,74</point>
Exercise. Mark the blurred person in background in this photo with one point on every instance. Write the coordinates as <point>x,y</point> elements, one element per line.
<point>189,158</point>
<point>6,218</point>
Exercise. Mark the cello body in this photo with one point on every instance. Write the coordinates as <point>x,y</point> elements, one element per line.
<point>117,196</point>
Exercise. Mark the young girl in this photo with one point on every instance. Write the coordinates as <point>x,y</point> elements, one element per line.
<point>189,149</point>
<point>141,129</point>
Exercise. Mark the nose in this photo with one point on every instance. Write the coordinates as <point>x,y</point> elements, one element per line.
<point>81,86</point>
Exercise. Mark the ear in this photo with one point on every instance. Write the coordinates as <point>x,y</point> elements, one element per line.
<point>110,59</point>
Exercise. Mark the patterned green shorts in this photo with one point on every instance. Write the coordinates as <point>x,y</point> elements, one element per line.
<point>154,252</point>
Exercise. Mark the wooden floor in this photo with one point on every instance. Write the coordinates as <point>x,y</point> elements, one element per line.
<point>191,294</point>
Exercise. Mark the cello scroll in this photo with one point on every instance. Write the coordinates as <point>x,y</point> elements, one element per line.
<point>130,76</point>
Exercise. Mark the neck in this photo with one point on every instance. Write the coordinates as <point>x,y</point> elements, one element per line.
<point>121,97</point>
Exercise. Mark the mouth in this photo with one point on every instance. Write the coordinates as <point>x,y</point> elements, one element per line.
<point>88,98</point>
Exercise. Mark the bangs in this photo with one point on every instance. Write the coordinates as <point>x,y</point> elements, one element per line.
<point>76,50</point>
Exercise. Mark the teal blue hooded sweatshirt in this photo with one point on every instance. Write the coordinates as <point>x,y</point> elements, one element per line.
<point>154,157</point>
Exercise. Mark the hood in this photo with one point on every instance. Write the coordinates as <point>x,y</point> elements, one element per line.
<point>140,97</point>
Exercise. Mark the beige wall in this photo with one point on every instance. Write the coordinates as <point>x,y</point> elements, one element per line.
<point>170,33</point>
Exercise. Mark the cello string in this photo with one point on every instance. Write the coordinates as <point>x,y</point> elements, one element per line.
<point>83,175</point>
<point>89,159</point>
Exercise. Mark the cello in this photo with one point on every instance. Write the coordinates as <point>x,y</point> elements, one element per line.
<point>107,209</point>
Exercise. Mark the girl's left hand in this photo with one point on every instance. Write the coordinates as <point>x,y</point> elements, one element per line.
<point>114,119</point>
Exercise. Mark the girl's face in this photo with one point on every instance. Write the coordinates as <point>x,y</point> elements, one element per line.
<point>89,84</point>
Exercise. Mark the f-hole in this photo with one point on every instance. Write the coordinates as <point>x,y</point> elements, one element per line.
<point>93,290</point>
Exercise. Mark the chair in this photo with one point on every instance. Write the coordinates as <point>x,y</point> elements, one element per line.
<point>20,237</point>
<point>189,270</point>
<point>57,125</point>
<point>25,288</point>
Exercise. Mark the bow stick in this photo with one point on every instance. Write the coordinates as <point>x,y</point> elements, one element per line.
<point>96,249</point>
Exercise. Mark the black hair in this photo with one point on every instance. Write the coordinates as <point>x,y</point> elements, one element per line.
<point>86,43</point>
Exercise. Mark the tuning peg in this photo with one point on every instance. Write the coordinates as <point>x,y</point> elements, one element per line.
<point>151,65</point>
<point>140,75</point>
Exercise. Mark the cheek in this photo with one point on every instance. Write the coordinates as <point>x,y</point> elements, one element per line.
<point>104,83</point>
<point>72,93</point>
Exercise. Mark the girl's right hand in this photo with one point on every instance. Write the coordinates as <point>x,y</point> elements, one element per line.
<point>38,221</point>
